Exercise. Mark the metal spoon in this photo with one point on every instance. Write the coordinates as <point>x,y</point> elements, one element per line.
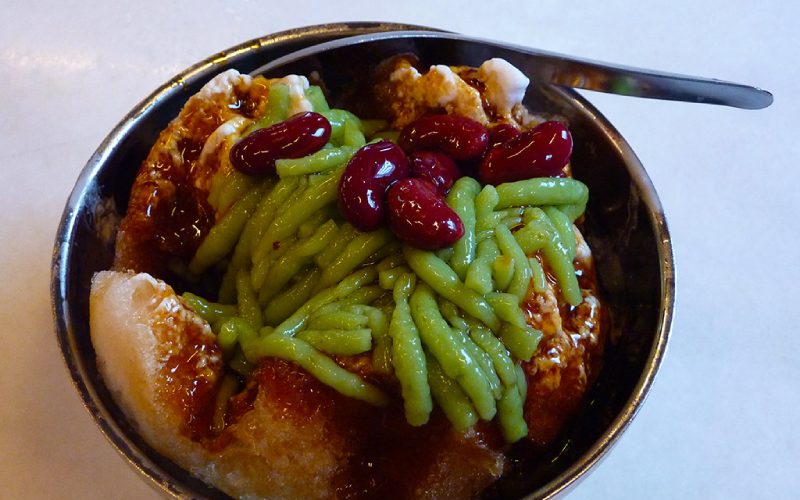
<point>339,60</point>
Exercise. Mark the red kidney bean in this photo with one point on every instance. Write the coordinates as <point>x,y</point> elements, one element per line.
<point>362,188</point>
<point>456,136</point>
<point>419,216</point>
<point>540,152</point>
<point>435,167</point>
<point>300,135</point>
<point>501,133</point>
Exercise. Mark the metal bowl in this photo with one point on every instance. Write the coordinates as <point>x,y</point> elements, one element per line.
<point>625,227</point>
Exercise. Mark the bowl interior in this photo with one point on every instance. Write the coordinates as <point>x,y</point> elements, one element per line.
<point>624,226</point>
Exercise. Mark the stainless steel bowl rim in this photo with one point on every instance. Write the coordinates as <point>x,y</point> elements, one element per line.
<point>203,71</point>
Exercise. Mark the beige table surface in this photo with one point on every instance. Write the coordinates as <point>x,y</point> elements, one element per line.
<point>723,419</point>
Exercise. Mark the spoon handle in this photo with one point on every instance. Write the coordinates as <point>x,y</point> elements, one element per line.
<point>580,73</point>
<point>541,66</point>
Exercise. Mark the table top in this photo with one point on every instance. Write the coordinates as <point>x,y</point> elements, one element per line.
<point>722,419</point>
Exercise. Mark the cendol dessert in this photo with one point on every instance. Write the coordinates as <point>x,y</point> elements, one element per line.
<point>307,303</point>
